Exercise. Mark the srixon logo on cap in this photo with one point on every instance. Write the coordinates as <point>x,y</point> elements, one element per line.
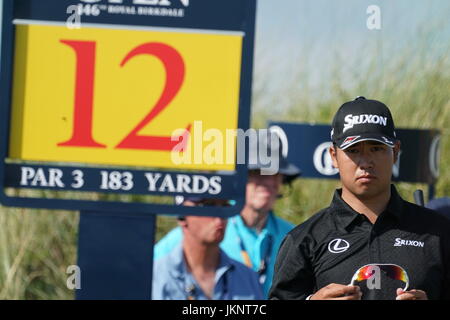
<point>351,120</point>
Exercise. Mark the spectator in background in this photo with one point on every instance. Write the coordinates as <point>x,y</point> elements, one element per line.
<point>197,269</point>
<point>441,205</point>
<point>254,236</point>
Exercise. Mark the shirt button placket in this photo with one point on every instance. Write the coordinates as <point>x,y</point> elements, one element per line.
<point>375,246</point>
<point>372,246</point>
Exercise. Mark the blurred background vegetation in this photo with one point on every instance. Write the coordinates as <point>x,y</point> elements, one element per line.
<point>37,246</point>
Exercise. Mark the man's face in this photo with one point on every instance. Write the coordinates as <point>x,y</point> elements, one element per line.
<point>207,230</point>
<point>366,167</point>
<point>262,190</point>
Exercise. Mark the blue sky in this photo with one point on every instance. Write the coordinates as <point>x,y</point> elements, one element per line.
<point>314,36</point>
<point>293,24</point>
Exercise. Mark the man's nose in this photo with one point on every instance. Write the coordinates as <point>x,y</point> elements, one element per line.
<point>365,159</point>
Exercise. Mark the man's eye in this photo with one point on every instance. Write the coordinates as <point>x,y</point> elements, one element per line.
<point>353,151</point>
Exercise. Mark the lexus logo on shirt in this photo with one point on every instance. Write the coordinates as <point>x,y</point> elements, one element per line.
<point>338,246</point>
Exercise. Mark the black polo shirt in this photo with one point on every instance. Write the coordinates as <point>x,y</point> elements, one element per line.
<point>333,244</point>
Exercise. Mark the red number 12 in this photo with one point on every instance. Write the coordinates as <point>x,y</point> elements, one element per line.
<point>84,97</point>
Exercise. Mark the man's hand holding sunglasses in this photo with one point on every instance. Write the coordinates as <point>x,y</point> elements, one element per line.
<point>411,295</point>
<point>335,291</point>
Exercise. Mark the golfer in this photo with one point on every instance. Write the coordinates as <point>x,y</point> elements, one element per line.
<point>369,243</point>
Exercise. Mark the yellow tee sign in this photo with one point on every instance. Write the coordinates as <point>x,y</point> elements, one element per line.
<point>107,96</point>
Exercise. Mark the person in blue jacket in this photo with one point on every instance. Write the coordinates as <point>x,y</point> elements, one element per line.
<point>254,236</point>
<point>197,269</point>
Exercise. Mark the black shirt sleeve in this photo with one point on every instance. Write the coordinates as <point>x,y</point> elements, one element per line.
<point>293,275</point>
<point>446,256</point>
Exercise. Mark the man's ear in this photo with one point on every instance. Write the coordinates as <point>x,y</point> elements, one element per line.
<point>396,150</point>
<point>333,153</point>
<point>182,223</point>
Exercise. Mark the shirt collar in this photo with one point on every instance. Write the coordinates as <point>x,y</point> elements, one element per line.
<point>396,204</point>
<point>178,267</point>
<point>270,227</point>
<point>346,215</point>
<point>225,265</point>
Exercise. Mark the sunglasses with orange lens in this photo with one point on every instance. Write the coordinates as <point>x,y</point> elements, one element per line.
<point>393,271</point>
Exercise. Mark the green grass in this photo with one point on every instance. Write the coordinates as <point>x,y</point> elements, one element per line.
<point>37,246</point>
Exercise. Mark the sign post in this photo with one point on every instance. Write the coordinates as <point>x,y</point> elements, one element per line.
<point>123,97</point>
<point>115,256</point>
